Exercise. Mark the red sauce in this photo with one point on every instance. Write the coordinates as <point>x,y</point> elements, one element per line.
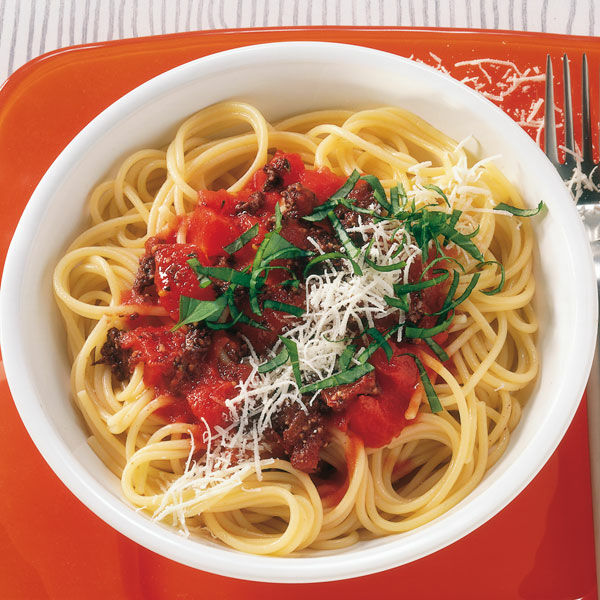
<point>374,418</point>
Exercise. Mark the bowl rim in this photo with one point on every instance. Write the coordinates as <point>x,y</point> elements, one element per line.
<point>221,560</point>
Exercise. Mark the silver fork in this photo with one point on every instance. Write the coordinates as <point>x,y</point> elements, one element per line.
<point>588,206</point>
<point>589,201</point>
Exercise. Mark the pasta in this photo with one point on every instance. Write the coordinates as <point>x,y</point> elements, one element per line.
<point>447,283</point>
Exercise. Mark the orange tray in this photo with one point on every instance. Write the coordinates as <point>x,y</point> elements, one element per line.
<point>541,546</point>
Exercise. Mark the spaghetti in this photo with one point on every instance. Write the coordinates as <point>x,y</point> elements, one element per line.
<point>399,341</point>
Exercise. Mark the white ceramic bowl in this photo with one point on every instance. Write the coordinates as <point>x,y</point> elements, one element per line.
<point>284,79</point>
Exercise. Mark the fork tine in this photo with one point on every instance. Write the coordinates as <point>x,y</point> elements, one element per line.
<point>586,123</point>
<point>549,123</point>
<point>568,108</point>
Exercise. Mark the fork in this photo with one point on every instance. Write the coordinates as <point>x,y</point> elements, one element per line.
<point>588,206</point>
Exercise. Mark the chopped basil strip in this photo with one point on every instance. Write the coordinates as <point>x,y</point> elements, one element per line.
<point>381,268</point>
<point>194,311</point>
<point>520,212</point>
<point>348,376</point>
<point>381,341</point>
<point>221,273</point>
<point>462,240</point>
<point>367,352</point>
<point>432,397</point>
<point>243,318</point>
<point>295,283</point>
<point>342,234</point>
<point>277,218</point>
<point>241,241</point>
<point>454,217</point>
<point>403,288</point>
<point>438,190</point>
<point>451,290</point>
<point>347,187</point>
<point>400,302</point>
<point>273,247</point>
<point>203,281</point>
<point>292,350</point>
<point>462,297</point>
<point>439,259</point>
<point>277,361</point>
<point>282,306</point>
<point>502,277</point>
<point>378,192</point>
<point>226,324</point>
<point>395,200</point>
<point>439,351</point>
<point>346,357</point>
<point>321,211</point>
<point>331,256</point>
<point>425,332</point>
<point>385,268</point>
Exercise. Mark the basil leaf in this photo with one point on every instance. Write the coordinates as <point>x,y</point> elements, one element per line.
<point>461,240</point>
<point>502,277</point>
<point>385,268</point>
<point>294,283</point>
<point>438,190</point>
<point>403,288</point>
<point>403,196</point>
<point>454,303</point>
<point>401,302</point>
<point>520,212</point>
<point>395,199</point>
<point>347,187</point>
<point>221,273</point>
<point>432,397</point>
<point>277,218</point>
<point>292,350</point>
<point>192,310</point>
<point>454,217</point>
<point>277,361</point>
<point>348,376</point>
<point>320,212</point>
<point>451,289</point>
<point>381,341</point>
<point>241,241</point>
<point>439,351</point>
<point>346,357</point>
<point>351,249</point>
<point>440,259</point>
<point>243,318</point>
<point>331,256</point>
<point>367,352</point>
<point>282,306</point>
<point>378,192</point>
<point>273,247</point>
<point>425,332</point>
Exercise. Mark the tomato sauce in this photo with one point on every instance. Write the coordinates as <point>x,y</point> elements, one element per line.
<point>201,381</point>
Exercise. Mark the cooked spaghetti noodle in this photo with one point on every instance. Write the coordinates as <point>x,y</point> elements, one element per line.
<point>205,480</point>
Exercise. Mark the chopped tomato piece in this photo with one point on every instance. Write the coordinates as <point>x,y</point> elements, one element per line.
<point>174,277</point>
<point>322,182</point>
<point>207,401</point>
<point>290,174</point>
<point>221,200</point>
<point>210,230</point>
<point>379,418</point>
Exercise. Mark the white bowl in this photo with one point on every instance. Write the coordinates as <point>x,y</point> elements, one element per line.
<point>284,79</point>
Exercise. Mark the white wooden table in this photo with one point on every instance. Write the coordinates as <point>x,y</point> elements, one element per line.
<point>29,28</point>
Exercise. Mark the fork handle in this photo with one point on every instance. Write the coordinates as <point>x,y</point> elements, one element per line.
<point>593,411</point>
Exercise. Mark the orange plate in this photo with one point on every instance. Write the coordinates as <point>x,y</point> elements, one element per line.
<point>540,546</point>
